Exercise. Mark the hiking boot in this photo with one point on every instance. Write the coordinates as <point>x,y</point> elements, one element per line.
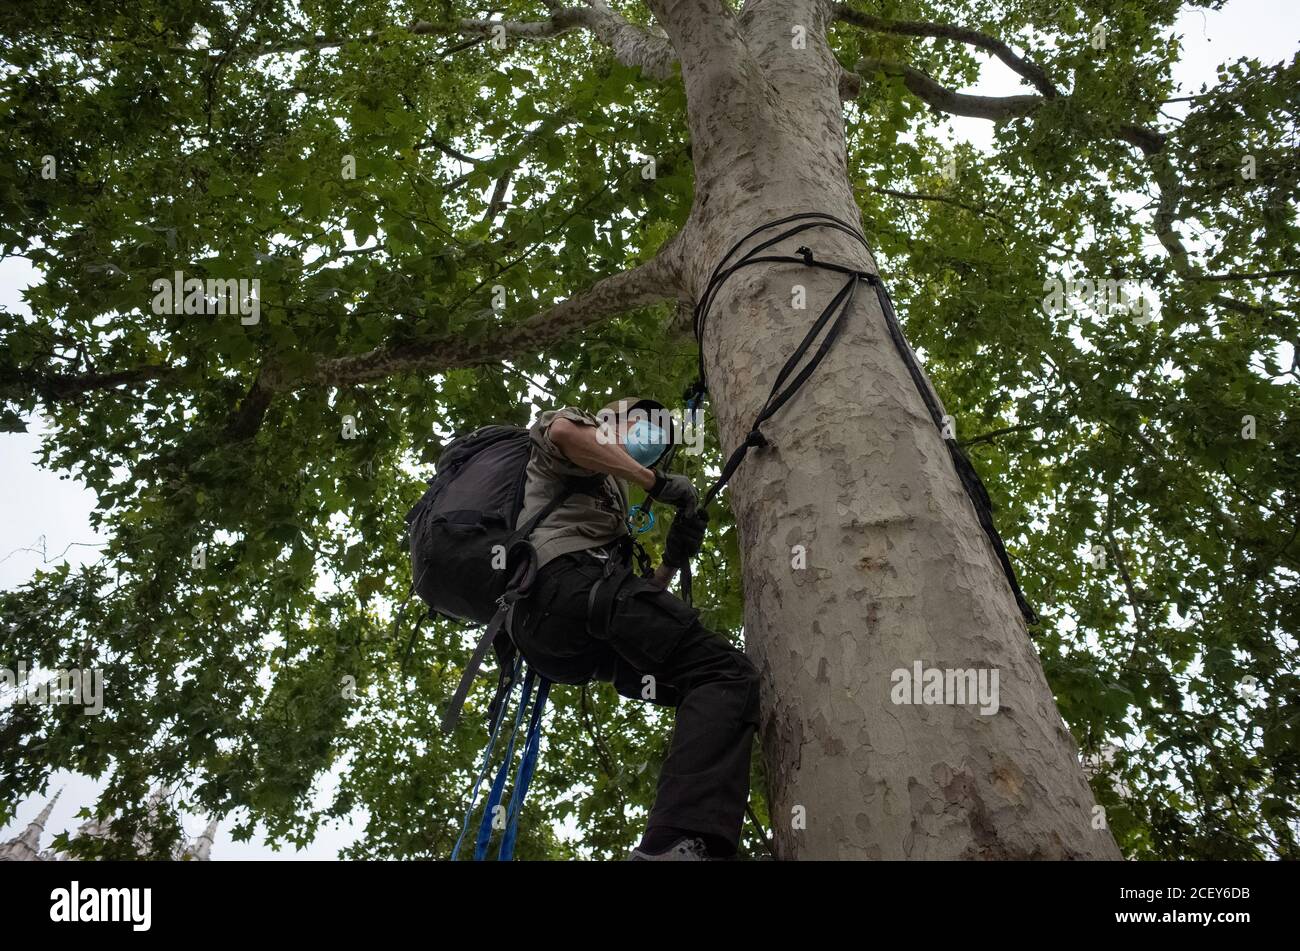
<point>683,850</point>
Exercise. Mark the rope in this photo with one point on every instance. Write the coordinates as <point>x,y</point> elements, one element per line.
<point>498,785</point>
<point>524,777</point>
<point>831,321</point>
<point>487,762</point>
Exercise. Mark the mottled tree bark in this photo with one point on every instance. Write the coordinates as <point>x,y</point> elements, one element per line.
<point>898,568</point>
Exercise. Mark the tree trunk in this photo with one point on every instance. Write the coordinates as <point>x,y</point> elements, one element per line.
<point>898,569</point>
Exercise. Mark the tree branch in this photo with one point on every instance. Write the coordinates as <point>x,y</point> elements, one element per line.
<point>602,752</point>
<point>55,387</point>
<point>528,141</point>
<point>1150,142</point>
<point>994,108</point>
<point>994,434</point>
<point>656,280</point>
<point>705,34</point>
<point>948,200</point>
<point>1032,72</point>
<point>630,44</point>
<point>245,421</point>
<point>1251,275</point>
<point>920,84</point>
<point>649,283</point>
<point>1170,190</point>
<point>1143,632</point>
<point>447,150</point>
<point>497,203</point>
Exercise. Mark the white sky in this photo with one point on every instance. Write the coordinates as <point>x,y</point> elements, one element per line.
<point>43,511</point>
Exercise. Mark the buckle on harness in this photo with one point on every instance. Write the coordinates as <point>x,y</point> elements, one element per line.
<point>600,600</point>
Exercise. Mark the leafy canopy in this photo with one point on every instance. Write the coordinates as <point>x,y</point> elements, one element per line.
<point>216,138</point>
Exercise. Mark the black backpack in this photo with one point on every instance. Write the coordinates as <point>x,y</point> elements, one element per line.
<point>468,561</point>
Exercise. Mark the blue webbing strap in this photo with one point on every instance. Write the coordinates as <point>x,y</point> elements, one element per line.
<point>487,761</point>
<point>527,764</point>
<point>498,785</point>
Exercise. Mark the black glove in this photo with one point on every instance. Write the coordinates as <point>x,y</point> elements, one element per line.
<point>675,490</point>
<point>685,538</point>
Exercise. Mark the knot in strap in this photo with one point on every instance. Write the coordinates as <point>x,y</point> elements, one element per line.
<point>807,255</point>
<point>755,439</point>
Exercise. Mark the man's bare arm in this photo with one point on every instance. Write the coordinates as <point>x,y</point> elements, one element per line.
<point>581,447</point>
<point>663,576</point>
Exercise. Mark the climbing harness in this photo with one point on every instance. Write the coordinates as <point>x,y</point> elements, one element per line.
<point>641,520</point>
<point>831,320</point>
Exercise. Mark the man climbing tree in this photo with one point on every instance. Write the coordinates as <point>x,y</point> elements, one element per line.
<point>591,617</point>
<point>443,215</point>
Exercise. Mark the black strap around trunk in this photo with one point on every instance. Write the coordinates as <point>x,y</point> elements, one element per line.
<point>831,321</point>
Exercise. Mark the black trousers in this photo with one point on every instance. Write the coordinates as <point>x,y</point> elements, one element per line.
<point>654,649</point>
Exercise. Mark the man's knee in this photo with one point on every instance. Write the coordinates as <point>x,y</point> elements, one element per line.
<point>734,668</point>
<point>744,667</point>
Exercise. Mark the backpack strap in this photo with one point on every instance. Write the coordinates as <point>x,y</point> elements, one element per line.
<point>584,486</point>
<point>452,714</point>
<point>524,557</point>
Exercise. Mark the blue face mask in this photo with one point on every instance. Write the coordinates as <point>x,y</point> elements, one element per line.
<point>645,442</point>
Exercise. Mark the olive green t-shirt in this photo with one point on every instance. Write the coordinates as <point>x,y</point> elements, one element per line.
<point>583,521</point>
